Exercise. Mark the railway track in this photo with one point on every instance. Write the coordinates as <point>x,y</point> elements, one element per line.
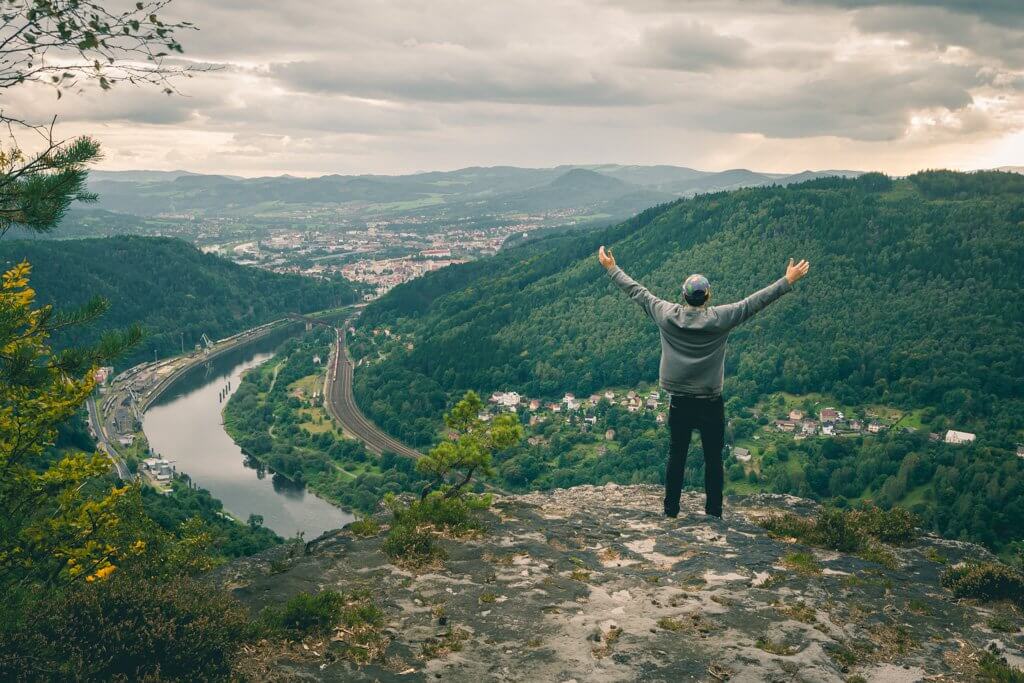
<point>342,407</point>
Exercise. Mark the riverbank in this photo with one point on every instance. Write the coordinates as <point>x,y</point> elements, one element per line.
<point>277,418</point>
<point>185,426</point>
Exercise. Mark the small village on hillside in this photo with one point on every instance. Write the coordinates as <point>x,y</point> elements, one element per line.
<point>784,415</point>
<point>583,413</point>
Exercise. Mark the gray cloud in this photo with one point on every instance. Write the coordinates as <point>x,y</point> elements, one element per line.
<point>996,12</point>
<point>454,73</point>
<point>689,46</point>
<point>939,30</point>
<point>862,101</point>
<point>402,85</point>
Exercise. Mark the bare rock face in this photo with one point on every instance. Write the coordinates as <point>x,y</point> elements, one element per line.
<point>594,584</point>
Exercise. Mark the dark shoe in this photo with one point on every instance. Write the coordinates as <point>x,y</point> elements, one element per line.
<point>673,515</point>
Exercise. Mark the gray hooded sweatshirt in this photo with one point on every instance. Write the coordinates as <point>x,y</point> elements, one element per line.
<point>693,338</point>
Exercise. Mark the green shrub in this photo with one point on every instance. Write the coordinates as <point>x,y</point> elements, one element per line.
<point>836,529</point>
<point>994,669</point>
<point>847,531</point>
<point>364,527</point>
<point>879,554</point>
<point>896,525</point>
<point>985,581</point>
<point>411,546</point>
<point>129,627</point>
<point>1002,623</point>
<point>306,613</point>
<point>452,515</point>
<point>788,525</point>
<point>802,563</point>
<point>362,612</point>
<point>410,540</point>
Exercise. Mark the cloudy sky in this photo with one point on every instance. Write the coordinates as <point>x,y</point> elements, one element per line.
<point>393,86</point>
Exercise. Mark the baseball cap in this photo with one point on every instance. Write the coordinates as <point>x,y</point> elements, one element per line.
<point>696,289</point>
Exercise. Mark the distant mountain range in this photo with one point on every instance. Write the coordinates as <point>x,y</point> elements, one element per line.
<point>606,190</point>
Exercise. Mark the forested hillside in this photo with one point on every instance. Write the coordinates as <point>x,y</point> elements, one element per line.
<point>167,286</point>
<point>914,301</point>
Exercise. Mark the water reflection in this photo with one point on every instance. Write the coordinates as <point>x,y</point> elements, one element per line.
<point>185,426</point>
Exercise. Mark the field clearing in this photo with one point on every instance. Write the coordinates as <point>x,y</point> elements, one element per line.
<point>309,421</point>
<point>308,385</point>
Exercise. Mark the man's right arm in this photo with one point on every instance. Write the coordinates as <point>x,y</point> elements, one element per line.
<point>652,305</point>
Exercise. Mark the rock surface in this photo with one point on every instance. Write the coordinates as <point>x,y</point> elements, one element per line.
<point>593,584</point>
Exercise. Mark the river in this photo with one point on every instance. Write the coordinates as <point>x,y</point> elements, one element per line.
<point>185,426</point>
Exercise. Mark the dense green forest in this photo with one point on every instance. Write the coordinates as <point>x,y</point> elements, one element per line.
<point>166,285</point>
<point>275,418</point>
<point>914,301</point>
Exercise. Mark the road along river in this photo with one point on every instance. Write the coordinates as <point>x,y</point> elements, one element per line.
<point>184,425</point>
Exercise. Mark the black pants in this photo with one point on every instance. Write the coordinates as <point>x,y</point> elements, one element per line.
<point>685,414</point>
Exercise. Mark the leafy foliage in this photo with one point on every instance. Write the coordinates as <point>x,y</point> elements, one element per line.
<point>412,546</point>
<point>470,447</point>
<point>94,588</point>
<point>985,581</point>
<point>306,613</point>
<point>36,192</point>
<point>445,506</point>
<point>845,530</point>
<point>60,523</point>
<point>132,627</point>
<point>97,43</point>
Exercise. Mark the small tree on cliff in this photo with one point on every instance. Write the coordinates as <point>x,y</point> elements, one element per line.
<point>444,503</point>
<point>452,464</point>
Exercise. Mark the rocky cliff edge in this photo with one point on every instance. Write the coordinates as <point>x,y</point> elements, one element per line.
<point>593,584</point>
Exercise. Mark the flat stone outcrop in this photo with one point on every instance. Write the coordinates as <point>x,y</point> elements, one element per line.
<point>594,584</point>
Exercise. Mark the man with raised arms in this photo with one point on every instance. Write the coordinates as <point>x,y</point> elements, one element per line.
<point>693,338</point>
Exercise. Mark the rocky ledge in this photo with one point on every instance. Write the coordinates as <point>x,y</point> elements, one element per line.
<point>592,584</point>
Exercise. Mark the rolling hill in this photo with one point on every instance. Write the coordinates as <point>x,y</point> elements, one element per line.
<point>609,190</point>
<point>914,301</point>
<point>167,286</point>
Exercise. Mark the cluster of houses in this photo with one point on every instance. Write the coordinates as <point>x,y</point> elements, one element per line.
<point>830,422</point>
<point>158,469</point>
<point>570,405</point>
<point>630,400</point>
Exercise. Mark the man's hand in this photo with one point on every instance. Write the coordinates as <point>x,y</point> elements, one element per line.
<point>606,258</point>
<point>794,272</point>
